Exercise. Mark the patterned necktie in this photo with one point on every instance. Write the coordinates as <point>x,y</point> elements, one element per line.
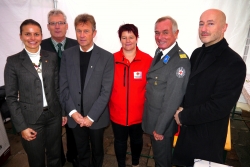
<point>59,52</point>
<point>158,57</point>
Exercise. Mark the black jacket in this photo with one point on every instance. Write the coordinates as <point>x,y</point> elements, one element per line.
<point>213,89</point>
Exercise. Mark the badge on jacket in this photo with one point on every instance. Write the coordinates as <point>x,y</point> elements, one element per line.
<point>180,72</point>
<point>137,75</point>
<point>166,59</point>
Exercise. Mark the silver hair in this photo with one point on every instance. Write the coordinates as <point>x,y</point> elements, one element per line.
<point>57,12</point>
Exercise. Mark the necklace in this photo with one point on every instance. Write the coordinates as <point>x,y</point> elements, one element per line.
<point>38,69</point>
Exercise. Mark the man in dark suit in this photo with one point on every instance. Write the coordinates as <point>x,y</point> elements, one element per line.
<point>166,84</point>
<point>86,78</point>
<point>58,42</point>
<point>214,86</point>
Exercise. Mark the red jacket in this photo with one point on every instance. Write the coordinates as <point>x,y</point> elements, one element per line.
<point>126,103</point>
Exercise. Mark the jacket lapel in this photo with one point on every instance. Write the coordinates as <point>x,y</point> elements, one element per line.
<point>210,58</point>
<point>208,61</point>
<point>76,60</point>
<point>27,63</point>
<point>161,64</point>
<point>45,63</point>
<point>92,62</point>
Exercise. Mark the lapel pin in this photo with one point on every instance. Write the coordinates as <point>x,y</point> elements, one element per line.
<point>91,66</point>
<point>46,61</point>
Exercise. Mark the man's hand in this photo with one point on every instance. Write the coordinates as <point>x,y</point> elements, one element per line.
<point>86,122</point>
<point>176,115</point>
<point>64,120</point>
<point>78,118</point>
<point>28,134</point>
<point>157,136</point>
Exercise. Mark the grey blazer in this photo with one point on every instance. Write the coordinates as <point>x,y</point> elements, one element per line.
<point>166,85</point>
<point>21,78</point>
<point>97,87</point>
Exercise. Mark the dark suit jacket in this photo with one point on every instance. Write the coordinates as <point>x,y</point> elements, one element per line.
<point>97,87</point>
<point>21,78</point>
<point>165,91</point>
<point>213,89</point>
<point>48,45</point>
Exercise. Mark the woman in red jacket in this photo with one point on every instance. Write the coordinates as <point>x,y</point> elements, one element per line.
<point>127,99</point>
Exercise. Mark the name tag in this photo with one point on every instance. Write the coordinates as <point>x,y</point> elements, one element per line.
<point>137,75</point>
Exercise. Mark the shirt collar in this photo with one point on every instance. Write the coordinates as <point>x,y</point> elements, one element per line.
<point>167,50</point>
<point>88,49</point>
<point>33,54</point>
<point>55,43</point>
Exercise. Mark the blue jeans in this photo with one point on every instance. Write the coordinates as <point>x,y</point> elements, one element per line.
<point>121,134</point>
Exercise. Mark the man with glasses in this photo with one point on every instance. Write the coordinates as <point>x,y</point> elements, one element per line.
<point>58,42</point>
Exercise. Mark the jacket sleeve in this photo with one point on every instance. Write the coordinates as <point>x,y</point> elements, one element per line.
<point>11,88</point>
<point>65,97</point>
<point>57,82</point>
<point>174,93</point>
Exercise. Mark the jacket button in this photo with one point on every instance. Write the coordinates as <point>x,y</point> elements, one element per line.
<point>78,104</point>
<point>79,92</point>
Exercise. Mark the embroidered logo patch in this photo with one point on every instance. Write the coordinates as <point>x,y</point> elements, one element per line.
<point>180,72</point>
<point>137,75</point>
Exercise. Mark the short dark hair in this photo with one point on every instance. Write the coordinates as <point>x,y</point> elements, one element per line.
<point>129,28</point>
<point>28,22</point>
<point>84,18</point>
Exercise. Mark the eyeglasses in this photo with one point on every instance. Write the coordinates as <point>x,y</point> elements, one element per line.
<point>55,23</point>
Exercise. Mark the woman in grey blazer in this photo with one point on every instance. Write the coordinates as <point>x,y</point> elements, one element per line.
<point>31,82</point>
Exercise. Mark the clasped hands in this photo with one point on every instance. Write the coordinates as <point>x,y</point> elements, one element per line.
<point>82,121</point>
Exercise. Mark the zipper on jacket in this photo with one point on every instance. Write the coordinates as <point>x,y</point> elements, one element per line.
<point>126,82</point>
<point>127,95</point>
<point>124,76</point>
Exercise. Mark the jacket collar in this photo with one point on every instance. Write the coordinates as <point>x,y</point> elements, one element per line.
<point>160,64</point>
<point>121,56</point>
<point>27,63</point>
<point>211,56</point>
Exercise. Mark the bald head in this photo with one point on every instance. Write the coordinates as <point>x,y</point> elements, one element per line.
<point>212,26</point>
<point>215,14</point>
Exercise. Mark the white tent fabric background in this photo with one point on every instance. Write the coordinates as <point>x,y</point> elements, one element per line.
<point>110,14</point>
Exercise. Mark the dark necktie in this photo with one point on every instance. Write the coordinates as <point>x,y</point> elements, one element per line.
<point>59,52</point>
<point>158,57</point>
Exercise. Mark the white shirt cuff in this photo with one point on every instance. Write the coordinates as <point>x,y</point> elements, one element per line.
<point>90,119</point>
<point>72,112</point>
